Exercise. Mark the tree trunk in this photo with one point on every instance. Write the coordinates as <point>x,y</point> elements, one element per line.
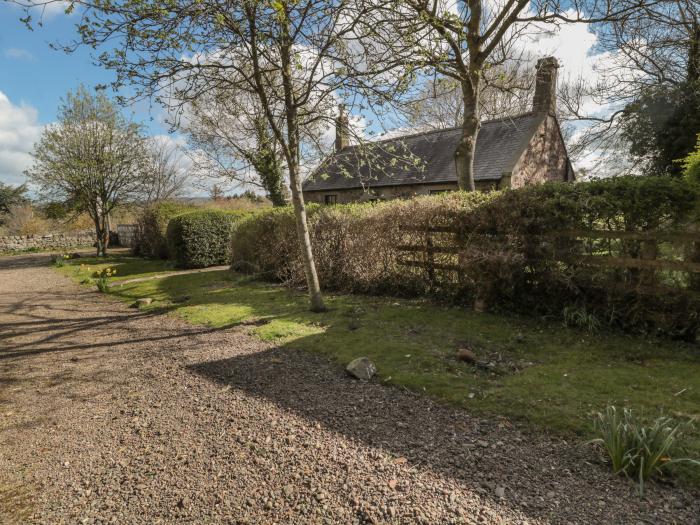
<point>292,155</point>
<point>107,231</point>
<point>315,296</point>
<point>271,177</point>
<point>464,155</point>
<point>101,234</point>
<point>98,237</point>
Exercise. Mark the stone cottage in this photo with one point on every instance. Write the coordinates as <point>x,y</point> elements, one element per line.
<point>510,152</point>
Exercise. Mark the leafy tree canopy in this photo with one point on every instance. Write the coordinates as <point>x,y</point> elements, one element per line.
<point>11,196</point>
<point>662,127</point>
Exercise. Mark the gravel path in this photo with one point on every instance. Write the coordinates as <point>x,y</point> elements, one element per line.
<point>111,415</point>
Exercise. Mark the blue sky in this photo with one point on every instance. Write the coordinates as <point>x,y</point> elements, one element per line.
<point>33,78</point>
<point>40,76</point>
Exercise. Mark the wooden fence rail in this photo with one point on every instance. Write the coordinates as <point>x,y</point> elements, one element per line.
<point>445,242</point>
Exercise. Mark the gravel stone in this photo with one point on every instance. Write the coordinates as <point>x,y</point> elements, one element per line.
<point>163,422</point>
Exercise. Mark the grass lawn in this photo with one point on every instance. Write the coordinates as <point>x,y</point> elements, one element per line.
<point>540,373</point>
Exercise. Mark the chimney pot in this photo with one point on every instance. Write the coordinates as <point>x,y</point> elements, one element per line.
<point>545,100</point>
<point>342,129</point>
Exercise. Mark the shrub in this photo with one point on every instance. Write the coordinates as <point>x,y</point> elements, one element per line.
<point>637,450</point>
<point>543,274</point>
<point>354,244</point>
<point>152,226</point>
<point>23,219</point>
<point>509,248</point>
<point>102,279</point>
<point>59,261</point>
<point>201,238</point>
<point>691,165</point>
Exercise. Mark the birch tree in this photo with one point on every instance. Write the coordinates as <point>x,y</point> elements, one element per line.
<point>92,156</point>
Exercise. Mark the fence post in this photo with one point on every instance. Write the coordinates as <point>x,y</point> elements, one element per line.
<point>649,252</point>
<point>430,257</point>
<point>693,255</point>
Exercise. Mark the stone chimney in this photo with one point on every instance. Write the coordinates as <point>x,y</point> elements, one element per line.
<point>545,100</point>
<point>342,129</point>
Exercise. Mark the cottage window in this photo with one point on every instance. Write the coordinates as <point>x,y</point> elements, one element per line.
<point>330,199</point>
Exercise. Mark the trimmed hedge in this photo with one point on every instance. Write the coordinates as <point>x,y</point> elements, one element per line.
<point>152,225</point>
<point>201,238</point>
<point>354,244</point>
<point>509,257</point>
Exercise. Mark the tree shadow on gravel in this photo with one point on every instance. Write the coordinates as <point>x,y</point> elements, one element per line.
<point>483,454</point>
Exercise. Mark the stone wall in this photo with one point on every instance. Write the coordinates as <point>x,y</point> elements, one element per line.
<point>56,241</point>
<point>545,159</point>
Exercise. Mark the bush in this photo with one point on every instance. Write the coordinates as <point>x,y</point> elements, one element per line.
<point>201,238</point>
<point>24,220</point>
<point>511,250</point>
<point>354,244</point>
<point>59,261</point>
<point>637,450</point>
<point>102,279</point>
<point>691,165</point>
<point>152,225</point>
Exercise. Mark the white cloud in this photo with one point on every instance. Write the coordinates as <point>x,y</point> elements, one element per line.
<point>574,45</point>
<point>19,130</point>
<point>16,53</point>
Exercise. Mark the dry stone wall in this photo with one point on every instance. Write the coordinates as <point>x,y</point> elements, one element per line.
<point>55,241</point>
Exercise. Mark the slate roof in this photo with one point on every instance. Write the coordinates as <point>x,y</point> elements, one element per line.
<point>426,157</point>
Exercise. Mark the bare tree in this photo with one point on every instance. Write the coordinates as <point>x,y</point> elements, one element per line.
<point>216,192</point>
<point>92,156</point>
<point>439,103</point>
<point>165,176</point>
<point>464,39</point>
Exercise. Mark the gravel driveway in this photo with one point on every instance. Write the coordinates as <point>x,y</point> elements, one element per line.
<point>110,415</point>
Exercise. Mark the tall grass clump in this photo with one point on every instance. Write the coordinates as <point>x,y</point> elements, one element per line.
<point>635,449</point>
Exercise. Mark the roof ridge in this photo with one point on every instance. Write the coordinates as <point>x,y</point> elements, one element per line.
<point>441,130</point>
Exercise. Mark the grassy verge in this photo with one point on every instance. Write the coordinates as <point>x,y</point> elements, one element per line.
<point>539,372</point>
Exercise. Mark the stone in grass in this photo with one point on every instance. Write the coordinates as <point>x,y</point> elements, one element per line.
<point>361,368</point>
<point>143,301</point>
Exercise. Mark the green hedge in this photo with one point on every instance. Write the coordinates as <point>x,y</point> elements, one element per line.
<point>201,238</point>
<point>354,244</point>
<point>510,259</point>
<point>152,225</point>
